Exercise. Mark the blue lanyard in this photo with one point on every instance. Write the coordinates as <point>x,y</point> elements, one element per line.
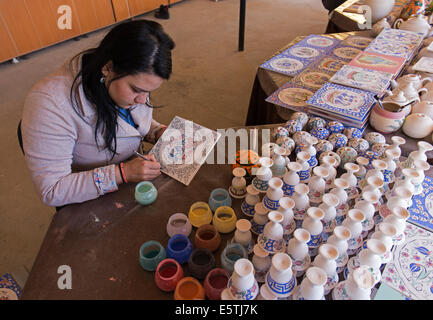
<point>125,114</point>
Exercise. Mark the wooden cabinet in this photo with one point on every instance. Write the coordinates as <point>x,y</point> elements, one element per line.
<point>104,12</point>
<point>8,49</point>
<point>137,7</point>
<point>20,26</point>
<point>121,9</point>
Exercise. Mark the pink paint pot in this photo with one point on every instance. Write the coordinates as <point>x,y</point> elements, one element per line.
<point>168,274</point>
<point>215,282</point>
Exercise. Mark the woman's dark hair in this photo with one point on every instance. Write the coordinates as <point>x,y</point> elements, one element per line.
<point>132,47</point>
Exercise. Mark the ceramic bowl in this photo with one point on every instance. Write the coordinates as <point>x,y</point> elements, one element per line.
<point>215,282</point>
<point>200,262</point>
<point>168,274</point>
<point>207,237</point>
<point>385,121</point>
<point>179,248</point>
<point>178,223</point>
<point>151,254</point>
<point>199,214</point>
<point>145,193</point>
<point>189,288</point>
<point>219,197</point>
<point>224,219</point>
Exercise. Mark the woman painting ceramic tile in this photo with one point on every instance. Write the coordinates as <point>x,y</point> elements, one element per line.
<point>82,124</point>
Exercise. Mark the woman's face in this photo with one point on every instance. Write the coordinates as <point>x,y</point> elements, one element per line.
<point>132,89</point>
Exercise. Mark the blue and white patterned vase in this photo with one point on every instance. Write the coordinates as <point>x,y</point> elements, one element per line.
<point>271,200</point>
<point>291,178</point>
<point>301,117</point>
<point>358,144</point>
<point>379,148</point>
<point>280,279</point>
<point>335,127</point>
<point>302,202</point>
<point>320,133</point>
<point>313,224</point>
<point>370,155</point>
<point>338,140</point>
<point>304,174</point>
<point>351,133</point>
<point>279,132</point>
<point>250,201</point>
<point>242,284</point>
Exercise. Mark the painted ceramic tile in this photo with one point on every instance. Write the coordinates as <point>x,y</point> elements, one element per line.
<point>424,64</point>
<point>329,64</point>
<point>421,211</point>
<point>411,270</point>
<point>386,293</point>
<point>350,103</point>
<point>378,62</point>
<point>361,125</point>
<point>178,149</point>
<point>361,78</point>
<point>312,78</point>
<point>303,52</point>
<point>9,289</point>
<point>357,41</point>
<point>285,65</point>
<point>320,41</point>
<point>346,52</point>
<point>400,36</point>
<point>291,96</point>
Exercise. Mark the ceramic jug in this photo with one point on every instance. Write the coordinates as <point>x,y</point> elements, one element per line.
<point>418,24</point>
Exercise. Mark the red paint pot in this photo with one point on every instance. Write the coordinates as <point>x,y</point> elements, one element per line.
<point>168,274</point>
<point>215,282</point>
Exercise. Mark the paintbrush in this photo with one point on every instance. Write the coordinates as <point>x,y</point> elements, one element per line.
<point>141,156</point>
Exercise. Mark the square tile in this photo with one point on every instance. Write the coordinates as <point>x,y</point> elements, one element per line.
<point>378,62</point>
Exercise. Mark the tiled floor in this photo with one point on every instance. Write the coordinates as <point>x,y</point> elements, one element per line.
<point>211,84</point>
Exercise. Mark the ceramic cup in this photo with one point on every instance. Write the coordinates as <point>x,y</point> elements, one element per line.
<point>178,223</point>
<point>200,262</point>
<point>189,288</point>
<point>179,248</point>
<point>168,274</point>
<point>219,197</point>
<point>199,214</point>
<point>207,237</point>
<point>151,254</point>
<point>145,193</point>
<point>224,219</point>
<point>215,282</point>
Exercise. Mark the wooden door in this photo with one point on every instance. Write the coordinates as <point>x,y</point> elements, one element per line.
<point>104,12</point>
<point>7,49</point>
<point>66,33</point>
<point>20,25</point>
<point>86,13</point>
<point>121,9</point>
<point>138,7</point>
<point>44,20</point>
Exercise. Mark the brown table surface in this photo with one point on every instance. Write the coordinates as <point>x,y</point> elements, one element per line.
<point>266,82</point>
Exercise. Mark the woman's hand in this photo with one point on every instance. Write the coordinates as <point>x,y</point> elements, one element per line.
<point>137,169</point>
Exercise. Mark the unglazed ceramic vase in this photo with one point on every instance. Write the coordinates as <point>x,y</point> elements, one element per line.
<point>326,260</point>
<point>273,194</point>
<point>357,286</point>
<point>297,249</point>
<point>251,199</point>
<point>330,202</point>
<point>302,202</point>
<point>262,262</point>
<point>317,184</point>
<point>286,208</point>
<point>168,274</point>
<point>238,189</point>
<point>178,223</point>
<point>215,282</point>
<point>189,288</point>
<point>353,222</point>
<point>291,178</point>
<point>271,240</point>
<point>280,279</point>
<point>313,224</point>
<point>339,239</point>
<point>312,286</point>
<point>242,284</point>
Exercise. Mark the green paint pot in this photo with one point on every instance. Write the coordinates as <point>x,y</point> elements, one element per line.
<point>145,193</point>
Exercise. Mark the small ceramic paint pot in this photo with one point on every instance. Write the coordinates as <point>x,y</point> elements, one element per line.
<point>219,197</point>
<point>189,288</point>
<point>178,223</point>
<point>231,253</point>
<point>199,214</point>
<point>168,274</point>
<point>215,282</point>
<point>200,262</point>
<point>179,248</point>
<point>207,237</point>
<point>224,219</point>
<point>151,254</point>
<point>145,193</point>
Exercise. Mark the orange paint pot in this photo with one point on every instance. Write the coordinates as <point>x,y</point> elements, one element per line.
<point>189,288</point>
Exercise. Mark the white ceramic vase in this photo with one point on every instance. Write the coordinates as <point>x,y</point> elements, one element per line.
<point>420,154</point>
<point>340,191</point>
<point>242,284</point>
<point>317,184</point>
<point>263,175</point>
<point>260,218</point>
<point>251,199</point>
<point>357,286</point>
<point>398,219</point>
<point>238,189</point>
<point>261,262</point>
<point>273,194</point>
<point>312,286</point>
<point>349,175</point>
<point>391,165</point>
<point>329,163</point>
<point>271,240</point>
<point>286,208</point>
<point>385,233</point>
<point>313,224</point>
<point>362,163</point>
<point>280,279</point>
<point>291,178</point>
<point>366,205</point>
<point>420,166</point>
<point>330,202</point>
<point>326,260</point>
<point>279,166</point>
<point>304,174</point>
<point>339,239</point>
<point>297,249</point>
<point>243,234</point>
<point>302,202</point>
<point>353,222</point>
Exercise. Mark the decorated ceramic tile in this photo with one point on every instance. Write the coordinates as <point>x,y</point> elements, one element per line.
<point>411,270</point>
<point>329,64</point>
<point>303,52</point>
<point>378,62</point>
<point>183,148</point>
<point>391,48</point>
<point>350,103</point>
<point>361,78</point>
<point>386,293</point>
<point>9,289</point>
<point>291,96</point>
<point>357,41</point>
<point>285,65</point>
<point>346,52</point>
<point>421,211</point>
<point>312,78</point>
<point>424,64</point>
<point>400,36</point>
<point>320,41</point>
